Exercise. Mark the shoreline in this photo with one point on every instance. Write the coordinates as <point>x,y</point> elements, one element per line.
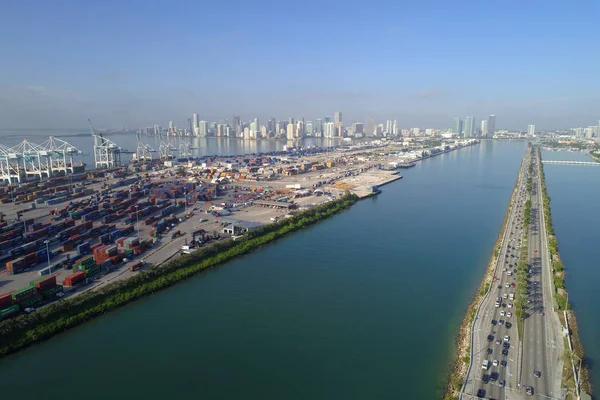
<point>460,365</point>
<point>30,329</point>
<point>559,293</point>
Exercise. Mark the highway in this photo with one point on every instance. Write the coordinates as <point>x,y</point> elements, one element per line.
<point>543,345</point>
<point>490,326</point>
<point>511,372</point>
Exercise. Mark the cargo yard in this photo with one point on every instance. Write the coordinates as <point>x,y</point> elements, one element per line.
<point>62,235</point>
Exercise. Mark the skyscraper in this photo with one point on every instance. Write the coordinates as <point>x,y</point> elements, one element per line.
<point>337,116</point>
<point>318,127</point>
<point>291,131</point>
<point>484,127</point>
<point>389,124</point>
<point>530,130</point>
<point>203,128</point>
<point>329,130</point>
<point>358,129</point>
<point>458,126</point>
<point>491,125</point>
<point>300,129</point>
<point>469,127</point>
<point>237,125</point>
<point>271,127</point>
<point>309,128</point>
<point>194,127</point>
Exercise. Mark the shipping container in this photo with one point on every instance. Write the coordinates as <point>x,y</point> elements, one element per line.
<point>44,283</point>
<point>33,302</point>
<point>6,300</point>
<point>23,293</point>
<point>9,311</point>
<point>74,279</point>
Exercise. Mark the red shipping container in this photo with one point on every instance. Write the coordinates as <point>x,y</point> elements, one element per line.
<point>88,224</point>
<point>74,279</point>
<point>6,301</point>
<point>47,283</point>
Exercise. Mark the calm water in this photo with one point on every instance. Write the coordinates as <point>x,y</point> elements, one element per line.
<point>364,305</point>
<point>83,141</point>
<point>575,191</point>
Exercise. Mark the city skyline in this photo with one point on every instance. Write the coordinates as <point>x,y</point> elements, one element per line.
<point>66,69</point>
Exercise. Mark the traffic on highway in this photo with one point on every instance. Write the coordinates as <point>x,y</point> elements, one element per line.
<point>499,368</point>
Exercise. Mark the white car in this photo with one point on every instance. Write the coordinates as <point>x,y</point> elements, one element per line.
<point>495,363</point>
<point>509,305</point>
<point>509,314</point>
<point>507,285</point>
<point>507,338</point>
<point>502,313</point>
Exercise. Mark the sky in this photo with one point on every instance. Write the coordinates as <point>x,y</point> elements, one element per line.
<point>138,63</point>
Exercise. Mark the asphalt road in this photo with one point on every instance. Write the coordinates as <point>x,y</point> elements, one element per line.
<point>542,345</point>
<point>490,322</point>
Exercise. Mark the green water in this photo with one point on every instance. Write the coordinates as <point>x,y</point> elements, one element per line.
<point>365,305</point>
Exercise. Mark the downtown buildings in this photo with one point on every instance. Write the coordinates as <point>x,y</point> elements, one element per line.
<point>468,127</point>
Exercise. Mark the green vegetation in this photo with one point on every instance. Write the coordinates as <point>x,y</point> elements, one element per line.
<point>559,283</point>
<point>25,330</point>
<point>485,289</point>
<point>527,212</point>
<point>558,277</point>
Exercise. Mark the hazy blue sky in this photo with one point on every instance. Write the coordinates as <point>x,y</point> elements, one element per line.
<point>137,63</point>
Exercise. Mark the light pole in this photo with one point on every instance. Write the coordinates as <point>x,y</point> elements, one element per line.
<point>185,192</point>
<point>47,251</point>
<point>137,219</point>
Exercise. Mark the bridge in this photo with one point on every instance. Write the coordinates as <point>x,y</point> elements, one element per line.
<point>590,163</point>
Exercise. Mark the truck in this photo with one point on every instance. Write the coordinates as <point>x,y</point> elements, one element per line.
<point>485,365</point>
<point>175,234</point>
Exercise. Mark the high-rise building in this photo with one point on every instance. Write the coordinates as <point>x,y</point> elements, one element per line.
<point>300,129</point>
<point>309,128</point>
<point>171,128</point>
<point>358,128</point>
<point>271,127</point>
<point>458,126</point>
<point>329,130</point>
<point>291,134</point>
<point>530,130</point>
<point>318,127</point>
<point>278,128</point>
<point>202,128</point>
<point>378,130</point>
<point>395,128</point>
<point>194,127</point>
<point>416,131</point>
<point>389,125</point>
<point>469,127</point>
<point>484,127</point>
<point>491,127</point>
<point>337,118</point>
